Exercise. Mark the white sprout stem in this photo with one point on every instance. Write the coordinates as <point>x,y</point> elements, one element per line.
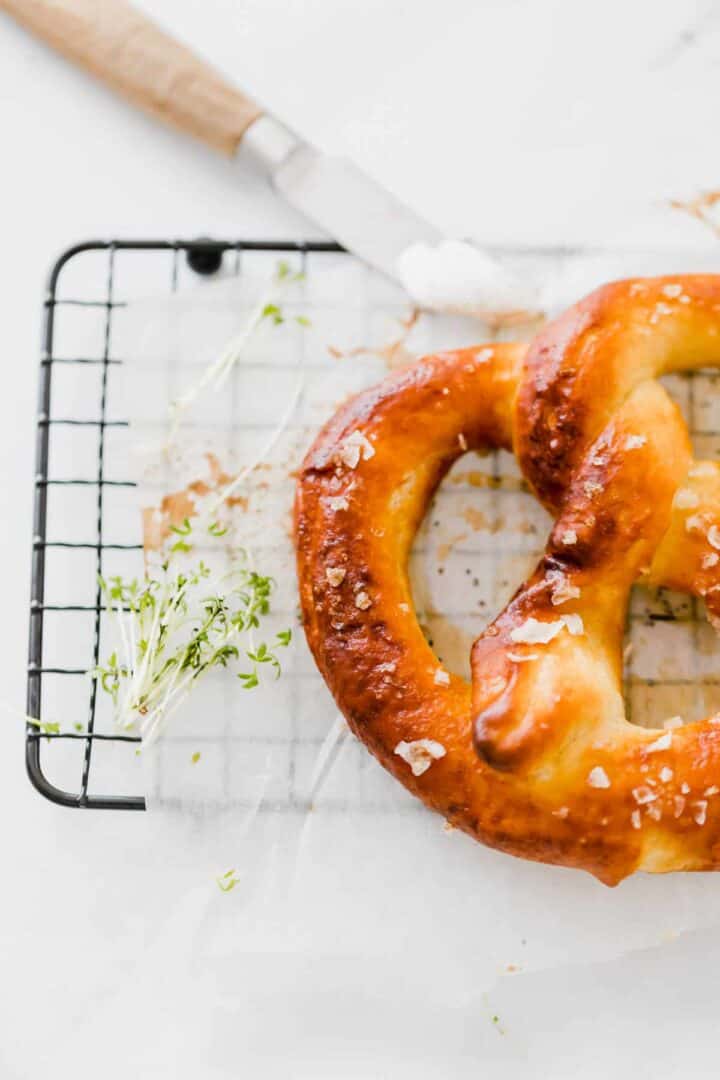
<point>218,371</point>
<point>269,446</point>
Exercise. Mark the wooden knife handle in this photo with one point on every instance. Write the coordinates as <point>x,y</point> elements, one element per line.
<point>119,45</point>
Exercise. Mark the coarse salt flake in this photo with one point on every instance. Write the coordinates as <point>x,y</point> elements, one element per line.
<point>685,787</point>
<point>710,560</point>
<point>338,502</point>
<point>591,487</point>
<point>672,290</point>
<point>387,668</point>
<point>699,811</point>
<point>462,441</point>
<point>561,812</point>
<point>521,658</point>
<point>534,632</point>
<point>362,601</point>
<point>673,722</point>
<point>569,537</point>
<point>420,754</point>
<point>574,625</point>
<point>354,448</point>
<point>696,521</point>
<point>686,499</point>
<point>663,742</point>
<point>561,589</point>
<point>714,537</point>
<point>634,442</point>
<point>666,774</point>
<point>598,778</point>
<point>678,805</point>
<point>635,819</point>
<point>483,356</point>
<point>712,790</point>
<point>335,575</point>
<point>703,468</point>
<point>441,678</point>
<point>643,795</point>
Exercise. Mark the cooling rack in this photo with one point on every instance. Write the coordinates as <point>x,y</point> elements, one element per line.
<point>82,468</point>
<point>171,260</point>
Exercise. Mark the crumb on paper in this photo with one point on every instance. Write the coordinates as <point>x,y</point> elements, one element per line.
<point>420,754</point>
<point>444,549</point>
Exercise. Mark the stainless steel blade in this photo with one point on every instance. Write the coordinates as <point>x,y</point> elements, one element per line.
<point>337,195</point>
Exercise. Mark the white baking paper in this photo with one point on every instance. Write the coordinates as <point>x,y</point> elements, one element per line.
<point>336,863</point>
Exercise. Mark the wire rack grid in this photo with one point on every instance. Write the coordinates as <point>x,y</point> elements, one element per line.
<point>180,257</point>
<point>672,671</point>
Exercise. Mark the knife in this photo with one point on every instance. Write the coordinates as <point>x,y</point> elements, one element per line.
<point>119,45</point>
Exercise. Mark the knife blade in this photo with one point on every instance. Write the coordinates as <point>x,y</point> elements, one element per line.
<point>336,194</point>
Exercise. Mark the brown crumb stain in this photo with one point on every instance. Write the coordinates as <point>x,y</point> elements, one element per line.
<point>700,208</point>
<point>175,507</point>
<point>475,478</point>
<point>395,352</point>
<point>444,549</point>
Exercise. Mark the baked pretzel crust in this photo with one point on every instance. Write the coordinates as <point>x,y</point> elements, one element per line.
<point>539,759</point>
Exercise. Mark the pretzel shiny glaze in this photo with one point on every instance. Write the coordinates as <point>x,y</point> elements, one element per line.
<point>536,757</point>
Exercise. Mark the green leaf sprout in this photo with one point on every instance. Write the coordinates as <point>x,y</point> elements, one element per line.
<point>176,627</point>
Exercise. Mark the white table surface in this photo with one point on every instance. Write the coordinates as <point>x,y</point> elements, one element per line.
<point>515,121</point>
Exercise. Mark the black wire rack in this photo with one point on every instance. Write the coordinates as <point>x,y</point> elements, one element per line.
<point>203,257</point>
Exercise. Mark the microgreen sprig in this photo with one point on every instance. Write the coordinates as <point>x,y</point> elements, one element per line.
<point>175,627</point>
<point>267,309</point>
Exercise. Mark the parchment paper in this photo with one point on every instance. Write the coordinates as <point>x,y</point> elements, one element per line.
<point>335,861</point>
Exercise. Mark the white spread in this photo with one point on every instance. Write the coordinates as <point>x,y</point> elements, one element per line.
<point>458,278</point>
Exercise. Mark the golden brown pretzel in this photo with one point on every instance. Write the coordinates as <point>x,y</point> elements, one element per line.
<point>537,757</point>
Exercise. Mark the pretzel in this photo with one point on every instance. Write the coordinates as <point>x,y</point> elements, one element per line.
<point>536,756</point>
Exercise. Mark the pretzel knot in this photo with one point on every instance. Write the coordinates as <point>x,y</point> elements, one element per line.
<point>536,757</point>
